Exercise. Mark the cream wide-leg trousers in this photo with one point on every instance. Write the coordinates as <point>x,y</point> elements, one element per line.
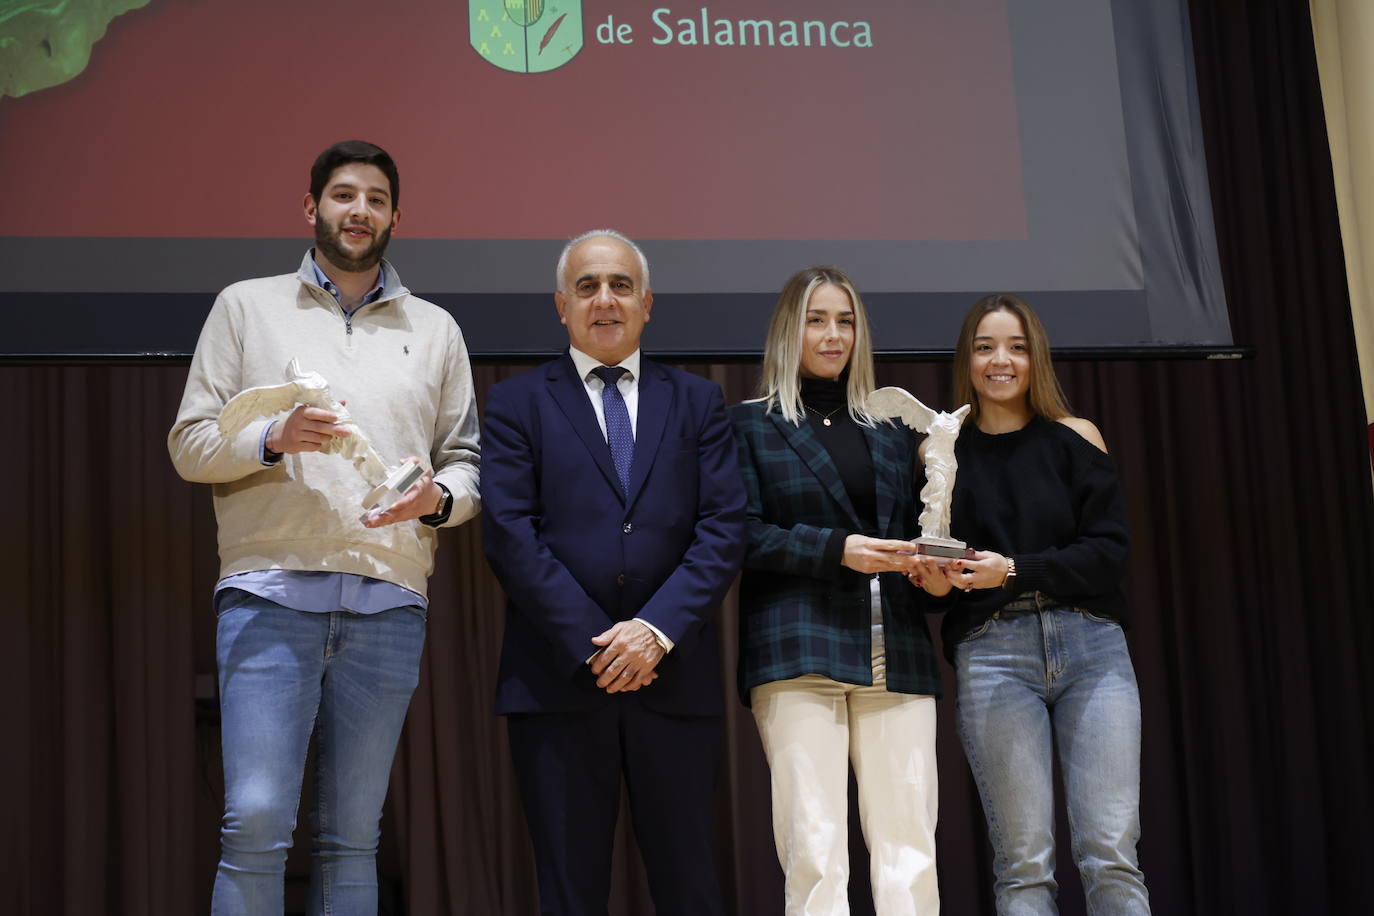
<point>812,727</point>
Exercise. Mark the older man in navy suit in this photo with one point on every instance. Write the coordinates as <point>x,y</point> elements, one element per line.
<point>613,515</point>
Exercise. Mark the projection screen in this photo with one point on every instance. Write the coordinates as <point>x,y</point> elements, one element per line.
<point>937,150</point>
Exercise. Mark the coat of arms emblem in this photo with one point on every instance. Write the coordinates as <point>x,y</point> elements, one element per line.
<point>525,36</point>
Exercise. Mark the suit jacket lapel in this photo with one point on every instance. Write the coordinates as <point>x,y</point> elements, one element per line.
<point>655,400</point>
<point>815,457</point>
<point>571,396</point>
<point>883,451</point>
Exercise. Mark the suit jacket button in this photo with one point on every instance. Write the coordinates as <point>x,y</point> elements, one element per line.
<point>627,527</point>
<point>620,579</point>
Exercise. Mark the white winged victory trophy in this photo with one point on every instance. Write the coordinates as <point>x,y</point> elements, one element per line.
<point>941,466</point>
<point>312,390</point>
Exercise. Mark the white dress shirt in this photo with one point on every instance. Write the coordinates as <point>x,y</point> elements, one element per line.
<point>628,385</point>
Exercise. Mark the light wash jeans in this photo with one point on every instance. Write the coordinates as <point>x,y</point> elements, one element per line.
<point>1030,682</point>
<point>283,674</point>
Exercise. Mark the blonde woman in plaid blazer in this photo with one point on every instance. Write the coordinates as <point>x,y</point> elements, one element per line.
<point>836,659</point>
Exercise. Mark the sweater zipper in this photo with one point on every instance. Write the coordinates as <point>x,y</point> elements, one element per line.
<point>348,327</point>
<point>348,320</point>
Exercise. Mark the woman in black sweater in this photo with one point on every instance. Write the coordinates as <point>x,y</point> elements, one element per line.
<point>1034,626</point>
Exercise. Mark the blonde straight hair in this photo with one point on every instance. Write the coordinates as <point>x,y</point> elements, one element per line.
<point>1046,398</point>
<point>780,386</point>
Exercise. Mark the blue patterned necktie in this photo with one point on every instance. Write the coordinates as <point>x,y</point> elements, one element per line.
<point>620,435</point>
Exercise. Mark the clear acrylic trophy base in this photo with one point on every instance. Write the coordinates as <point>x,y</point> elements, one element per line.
<point>381,497</point>
<point>943,549</point>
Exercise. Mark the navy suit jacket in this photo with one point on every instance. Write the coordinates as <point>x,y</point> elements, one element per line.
<point>574,554</point>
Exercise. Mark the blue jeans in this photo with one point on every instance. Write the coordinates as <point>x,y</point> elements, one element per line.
<point>283,674</point>
<point>1027,679</point>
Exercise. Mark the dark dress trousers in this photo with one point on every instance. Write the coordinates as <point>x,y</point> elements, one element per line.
<point>801,612</point>
<point>574,555</point>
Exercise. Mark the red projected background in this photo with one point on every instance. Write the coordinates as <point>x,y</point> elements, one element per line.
<point>200,120</point>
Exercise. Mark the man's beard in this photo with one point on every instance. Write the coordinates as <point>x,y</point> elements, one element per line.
<point>327,243</point>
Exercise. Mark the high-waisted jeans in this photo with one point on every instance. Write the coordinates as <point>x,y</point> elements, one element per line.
<point>1031,682</point>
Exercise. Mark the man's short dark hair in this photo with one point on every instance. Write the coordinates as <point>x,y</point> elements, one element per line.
<point>348,152</point>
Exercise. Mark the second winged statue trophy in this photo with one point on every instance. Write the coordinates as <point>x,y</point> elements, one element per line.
<point>942,429</point>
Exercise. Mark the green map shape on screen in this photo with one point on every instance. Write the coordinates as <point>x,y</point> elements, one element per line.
<point>525,36</point>
<point>48,42</point>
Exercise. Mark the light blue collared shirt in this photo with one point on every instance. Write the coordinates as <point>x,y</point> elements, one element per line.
<point>324,283</point>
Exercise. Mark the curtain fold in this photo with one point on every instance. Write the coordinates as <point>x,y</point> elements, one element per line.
<point>1344,34</point>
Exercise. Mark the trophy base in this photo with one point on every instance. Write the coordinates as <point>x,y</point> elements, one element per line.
<point>943,549</point>
<point>380,497</point>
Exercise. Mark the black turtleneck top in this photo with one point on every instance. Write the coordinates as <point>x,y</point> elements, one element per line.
<point>848,448</point>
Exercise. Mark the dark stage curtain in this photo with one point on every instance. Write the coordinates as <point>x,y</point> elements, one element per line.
<point>1249,492</point>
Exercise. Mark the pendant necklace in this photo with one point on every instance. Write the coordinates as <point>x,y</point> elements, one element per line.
<point>825,417</point>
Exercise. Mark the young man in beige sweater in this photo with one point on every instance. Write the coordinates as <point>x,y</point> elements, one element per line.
<point>321,616</point>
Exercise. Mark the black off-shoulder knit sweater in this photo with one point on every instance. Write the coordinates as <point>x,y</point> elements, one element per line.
<point>1051,500</point>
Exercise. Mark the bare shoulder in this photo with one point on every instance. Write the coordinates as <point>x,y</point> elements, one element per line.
<point>921,449</point>
<point>1087,429</point>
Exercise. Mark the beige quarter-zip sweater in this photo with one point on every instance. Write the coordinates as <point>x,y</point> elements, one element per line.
<point>401,366</point>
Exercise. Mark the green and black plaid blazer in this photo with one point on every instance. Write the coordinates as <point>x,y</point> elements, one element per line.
<point>799,615</point>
